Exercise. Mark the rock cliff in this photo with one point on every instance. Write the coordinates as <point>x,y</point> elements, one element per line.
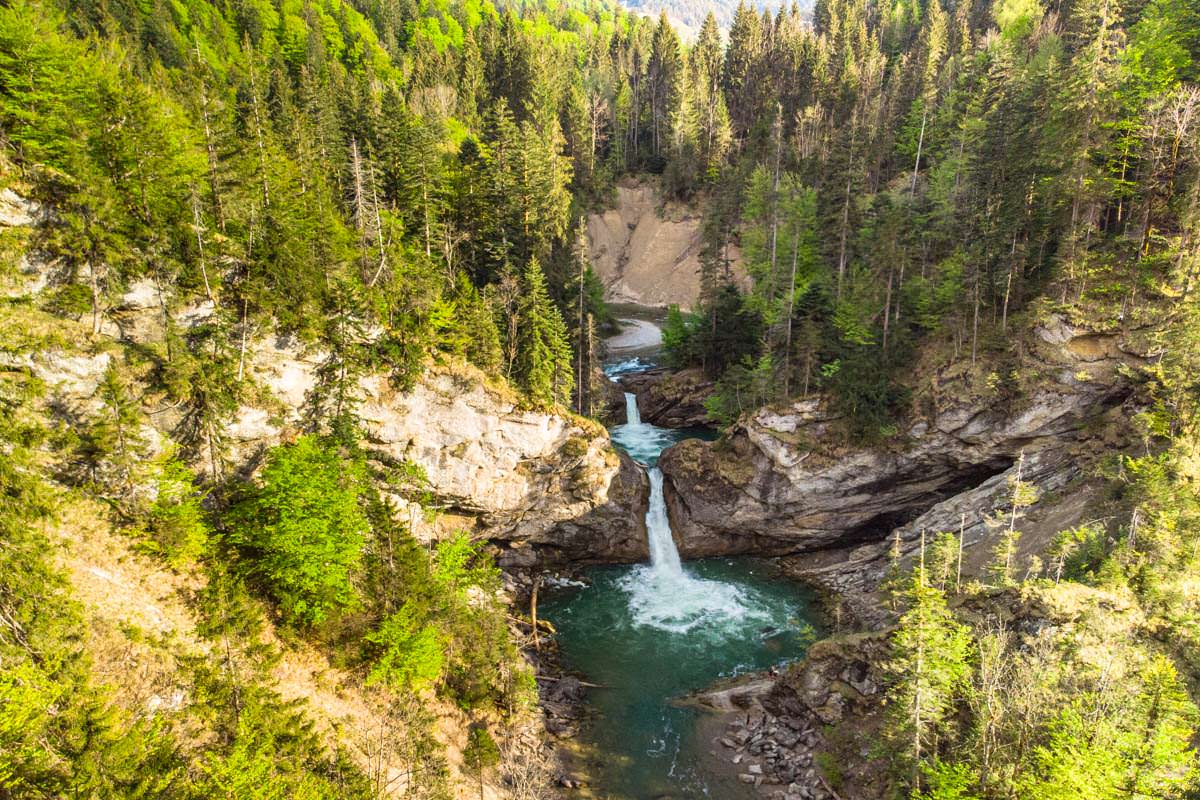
<point>646,251</point>
<point>773,486</point>
<point>546,486</point>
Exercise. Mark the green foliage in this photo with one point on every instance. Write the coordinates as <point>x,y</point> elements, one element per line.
<point>111,446</point>
<point>409,650</point>
<point>442,623</point>
<point>481,751</point>
<point>177,523</point>
<point>948,781</point>
<point>744,387</point>
<point>301,533</point>
<point>543,365</point>
<point>60,735</point>
<point>369,178</point>
<point>929,669</point>
<point>724,334</point>
<point>1143,754</point>
<point>863,388</point>
<point>483,670</point>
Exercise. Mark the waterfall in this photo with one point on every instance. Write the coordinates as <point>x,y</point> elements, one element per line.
<point>632,415</point>
<point>662,594</point>
<point>664,556</point>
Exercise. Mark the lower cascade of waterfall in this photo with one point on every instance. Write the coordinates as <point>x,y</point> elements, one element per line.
<point>662,594</point>
<point>650,633</point>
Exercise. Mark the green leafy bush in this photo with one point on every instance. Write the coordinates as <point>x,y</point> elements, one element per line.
<point>177,523</point>
<point>302,532</point>
<point>409,650</point>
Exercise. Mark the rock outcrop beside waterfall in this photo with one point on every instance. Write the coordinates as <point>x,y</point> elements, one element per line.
<point>772,485</point>
<point>671,399</point>
<point>546,486</point>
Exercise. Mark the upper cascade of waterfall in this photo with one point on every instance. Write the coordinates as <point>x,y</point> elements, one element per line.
<point>632,415</point>
<point>643,442</point>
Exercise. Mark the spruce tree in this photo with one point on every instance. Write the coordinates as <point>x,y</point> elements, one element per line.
<point>544,360</point>
<point>929,671</point>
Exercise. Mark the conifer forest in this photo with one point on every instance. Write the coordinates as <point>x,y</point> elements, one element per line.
<point>532,399</point>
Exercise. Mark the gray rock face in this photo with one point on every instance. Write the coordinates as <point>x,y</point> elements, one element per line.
<point>977,514</point>
<point>532,478</point>
<point>670,399</point>
<point>767,488</point>
<point>548,486</point>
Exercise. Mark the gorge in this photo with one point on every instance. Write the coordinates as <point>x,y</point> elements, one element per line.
<point>334,467</point>
<point>649,634</point>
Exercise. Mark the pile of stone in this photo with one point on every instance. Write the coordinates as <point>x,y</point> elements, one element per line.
<point>772,752</point>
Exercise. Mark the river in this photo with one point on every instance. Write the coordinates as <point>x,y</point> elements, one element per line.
<point>648,634</point>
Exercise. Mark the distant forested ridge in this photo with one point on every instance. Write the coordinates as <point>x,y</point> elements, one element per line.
<point>688,16</point>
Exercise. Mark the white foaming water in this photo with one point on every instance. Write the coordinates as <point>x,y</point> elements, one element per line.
<point>643,442</point>
<point>635,364</point>
<point>663,595</point>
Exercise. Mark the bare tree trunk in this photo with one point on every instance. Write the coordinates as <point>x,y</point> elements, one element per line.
<point>533,620</point>
<point>962,529</point>
<point>258,137</point>
<point>920,142</point>
<point>975,322</point>
<point>787,347</point>
<point>211,152</point>
<point>94,279</point>
<point>842,240</point>
<point>846,210</point>
<point>242,347</point>
<point>196,223</point>
<point>887,307</point>
<point>425,209</point>
<point>1012,267</point>
<point>379,238</point>
<point>579,355</point>
<point>778,135</point>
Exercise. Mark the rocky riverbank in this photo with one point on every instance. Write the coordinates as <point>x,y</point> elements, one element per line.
<point>772,728</point>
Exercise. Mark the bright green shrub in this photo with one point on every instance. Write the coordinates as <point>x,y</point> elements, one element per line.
<point>302,532</point>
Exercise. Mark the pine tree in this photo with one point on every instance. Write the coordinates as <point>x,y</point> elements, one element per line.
<point>1023,495</point>
<point>302,532</point>
<point>929,671</point>
<point>543,359</point>
<point>114,445</point>
<point>663,78</point>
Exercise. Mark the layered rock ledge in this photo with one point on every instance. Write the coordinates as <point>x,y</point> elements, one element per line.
<point>772,485</point>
